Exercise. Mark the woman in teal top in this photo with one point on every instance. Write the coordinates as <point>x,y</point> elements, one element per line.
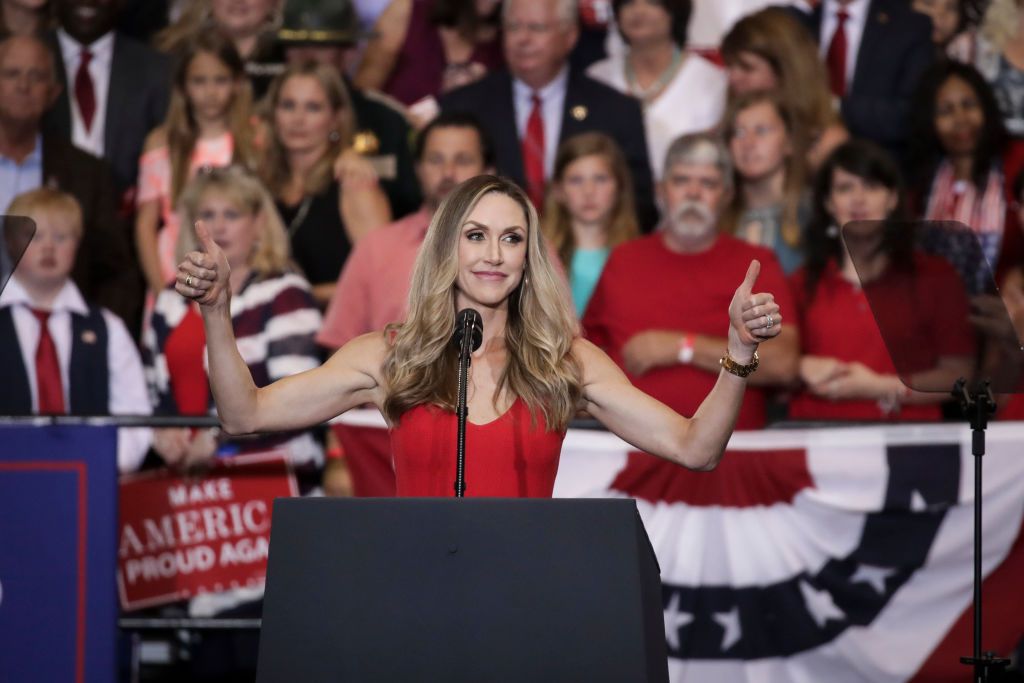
<point>589,210</point>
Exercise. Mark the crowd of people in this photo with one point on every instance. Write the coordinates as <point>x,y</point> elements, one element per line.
<point>318,146</point>
<point>317,139</point>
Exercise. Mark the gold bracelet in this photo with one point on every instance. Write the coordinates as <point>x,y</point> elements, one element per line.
<point>729,364</point>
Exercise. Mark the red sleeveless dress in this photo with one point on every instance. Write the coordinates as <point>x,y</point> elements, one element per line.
<point>505,458</point>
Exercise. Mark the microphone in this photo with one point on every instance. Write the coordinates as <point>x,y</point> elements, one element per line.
<point>468,321</point>
<point>467,337</point>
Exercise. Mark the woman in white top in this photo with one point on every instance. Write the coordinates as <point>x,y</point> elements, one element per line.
<point>681,92</point>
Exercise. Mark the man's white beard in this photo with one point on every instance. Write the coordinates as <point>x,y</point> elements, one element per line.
<point>692,220</point>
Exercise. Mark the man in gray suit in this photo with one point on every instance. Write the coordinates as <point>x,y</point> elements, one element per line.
<point>115,89</point>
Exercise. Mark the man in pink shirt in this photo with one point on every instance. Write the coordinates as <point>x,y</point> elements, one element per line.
<point>374,284</point>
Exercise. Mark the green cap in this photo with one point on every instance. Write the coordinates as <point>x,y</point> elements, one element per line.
<point>324,22</point>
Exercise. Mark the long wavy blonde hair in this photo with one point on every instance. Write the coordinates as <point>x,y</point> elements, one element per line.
<point>421,363</point>
<point>271,254</point>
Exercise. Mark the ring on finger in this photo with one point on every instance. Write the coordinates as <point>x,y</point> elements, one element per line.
<point>767,320</point>
<point>771,321</point>
<point>188,281</point>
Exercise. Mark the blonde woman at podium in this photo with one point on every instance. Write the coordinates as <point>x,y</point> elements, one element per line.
<point>530,376</point>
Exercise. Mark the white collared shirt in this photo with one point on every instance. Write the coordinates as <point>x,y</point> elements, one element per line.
<point>552,104</point>
<point>127,390</point>
<point>102,50</point>
<point>17,177</point>
<point>855,22</point>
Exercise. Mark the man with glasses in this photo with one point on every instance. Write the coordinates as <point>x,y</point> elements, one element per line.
<point>541,101</point>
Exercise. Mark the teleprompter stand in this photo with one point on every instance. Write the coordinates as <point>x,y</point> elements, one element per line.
<point>978,405</point>
<point>446,589</point>
<point>931,309</point>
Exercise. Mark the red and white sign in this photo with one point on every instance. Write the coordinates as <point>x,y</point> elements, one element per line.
<point>181,536</point>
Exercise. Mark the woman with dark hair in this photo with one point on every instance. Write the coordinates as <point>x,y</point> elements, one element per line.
<point>422,48</point>
<point>529,377</point>
<point>847,370</point>
<point>681,92</point>
<point>957,154</point>
<point>948,18</point>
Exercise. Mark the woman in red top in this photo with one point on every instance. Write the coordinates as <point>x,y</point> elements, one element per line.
<point>847,370</point>
<point>530,376</point>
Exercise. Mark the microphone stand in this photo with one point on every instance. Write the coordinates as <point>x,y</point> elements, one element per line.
<point>978,404</point>
<point>461,411</point>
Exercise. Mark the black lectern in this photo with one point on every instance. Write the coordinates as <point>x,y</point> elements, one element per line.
<point>461,590</point>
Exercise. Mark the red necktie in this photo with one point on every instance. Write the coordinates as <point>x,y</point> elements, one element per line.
<point>85,93</point>
<point>48,384</point>
<point>533,155</point>
<point>835,58</point>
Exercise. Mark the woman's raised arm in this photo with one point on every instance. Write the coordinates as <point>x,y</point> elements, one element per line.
<point>648,424</point>
<point>350,378</point>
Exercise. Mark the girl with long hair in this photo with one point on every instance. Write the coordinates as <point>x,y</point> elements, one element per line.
<point>589,209</point>
<point>847,370</point>
<point>770,50</point>
<point>528,379</point>
<point>208,124</point>
<point>327,194</point>
<point>769,205</point>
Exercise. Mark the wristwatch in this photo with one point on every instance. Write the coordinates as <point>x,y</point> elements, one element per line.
<point>730,365</point>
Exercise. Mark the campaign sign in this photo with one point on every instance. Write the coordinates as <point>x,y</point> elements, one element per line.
<point>58,524</point>
<point>182,535</point>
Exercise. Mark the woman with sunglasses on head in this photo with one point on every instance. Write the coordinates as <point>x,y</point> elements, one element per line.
<point>327,194</point>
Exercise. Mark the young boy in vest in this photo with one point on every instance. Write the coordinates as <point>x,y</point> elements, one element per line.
<point>60,354</point>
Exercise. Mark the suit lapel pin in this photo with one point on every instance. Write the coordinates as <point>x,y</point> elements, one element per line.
<point>579,112</point>
<point>365,143</point>
<point>89,337</point>
<point>883,18</point>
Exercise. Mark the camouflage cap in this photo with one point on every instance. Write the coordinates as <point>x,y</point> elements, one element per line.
<point>323,22</point>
